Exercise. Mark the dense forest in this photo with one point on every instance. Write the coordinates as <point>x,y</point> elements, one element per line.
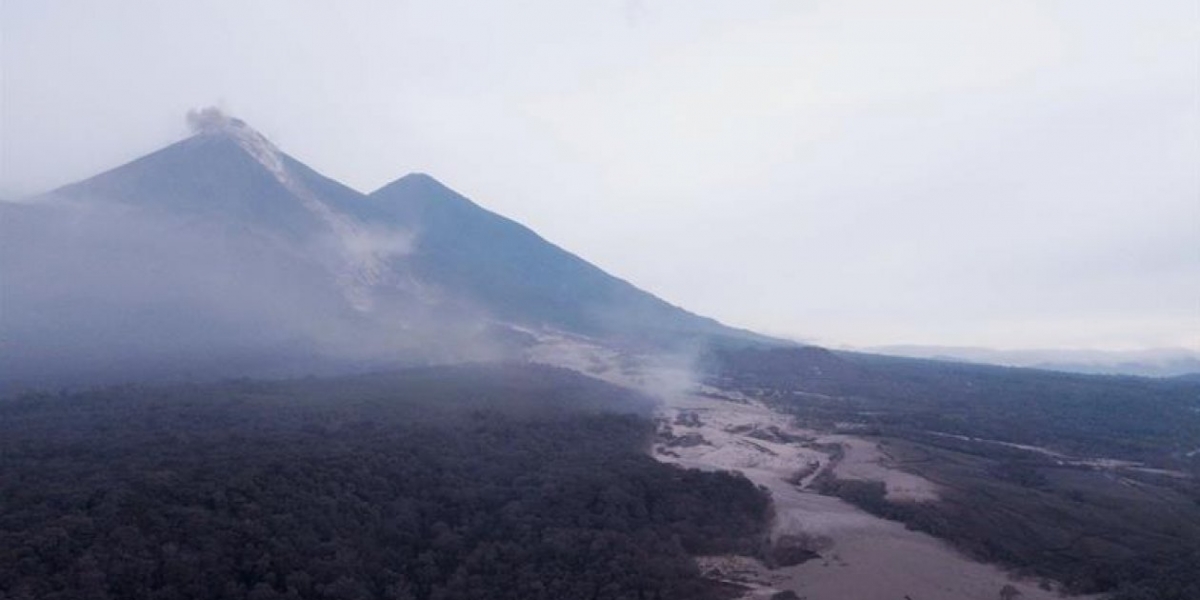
<point>1129,531</point>
<point>438,483</point>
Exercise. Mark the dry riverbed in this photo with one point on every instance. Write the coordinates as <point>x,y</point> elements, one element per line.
<point>858,556</point>
<point>861,556</point>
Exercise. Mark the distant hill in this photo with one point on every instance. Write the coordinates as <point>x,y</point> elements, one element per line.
<point>1161,362</point>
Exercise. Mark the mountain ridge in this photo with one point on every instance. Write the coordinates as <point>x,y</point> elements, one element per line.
<point>223,237</point>
<point>484,249</point>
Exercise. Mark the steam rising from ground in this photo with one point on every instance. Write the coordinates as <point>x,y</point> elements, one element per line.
<point>365,250</point>
<point>223,256</point>
<point>96,292</point>
<point>131,276</point>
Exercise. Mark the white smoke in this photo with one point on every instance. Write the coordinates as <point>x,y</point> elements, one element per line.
<point>210,119</point>
<point>365,251</point>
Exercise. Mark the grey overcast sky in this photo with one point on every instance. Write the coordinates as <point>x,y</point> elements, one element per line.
<point>1005,173</point>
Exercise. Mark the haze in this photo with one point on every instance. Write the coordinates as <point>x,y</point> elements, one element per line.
<point>1016,174</point>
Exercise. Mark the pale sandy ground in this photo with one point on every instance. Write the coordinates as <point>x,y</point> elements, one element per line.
<point>864,461</point>
<point>862,557</point>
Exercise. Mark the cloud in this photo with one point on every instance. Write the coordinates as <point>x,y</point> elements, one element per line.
<point>95,291</point>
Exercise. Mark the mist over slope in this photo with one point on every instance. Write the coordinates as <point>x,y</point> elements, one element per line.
<point>220,255</point>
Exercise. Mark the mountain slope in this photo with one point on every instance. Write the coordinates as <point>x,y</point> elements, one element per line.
<point>204,176</point>
<point>520,277</point>
<point>222,250</point>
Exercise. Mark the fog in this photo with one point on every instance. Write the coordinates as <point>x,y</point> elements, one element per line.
<point>95,291</point>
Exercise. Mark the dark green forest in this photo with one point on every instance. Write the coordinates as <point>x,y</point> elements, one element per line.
<point>438,483</point>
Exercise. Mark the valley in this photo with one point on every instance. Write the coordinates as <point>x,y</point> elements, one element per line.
<point>856,554</point>
<point>877,508</point>
<point>859,555</point>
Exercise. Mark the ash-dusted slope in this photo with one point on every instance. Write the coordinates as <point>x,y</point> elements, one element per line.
<point>230,175</point>
<point>216,256</point>
<point>520,277</point>
<point>220,254</point>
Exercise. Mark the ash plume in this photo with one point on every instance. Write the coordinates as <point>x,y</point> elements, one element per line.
<point>210,119</point>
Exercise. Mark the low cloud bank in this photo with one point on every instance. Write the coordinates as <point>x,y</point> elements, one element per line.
<point>97,293</point>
